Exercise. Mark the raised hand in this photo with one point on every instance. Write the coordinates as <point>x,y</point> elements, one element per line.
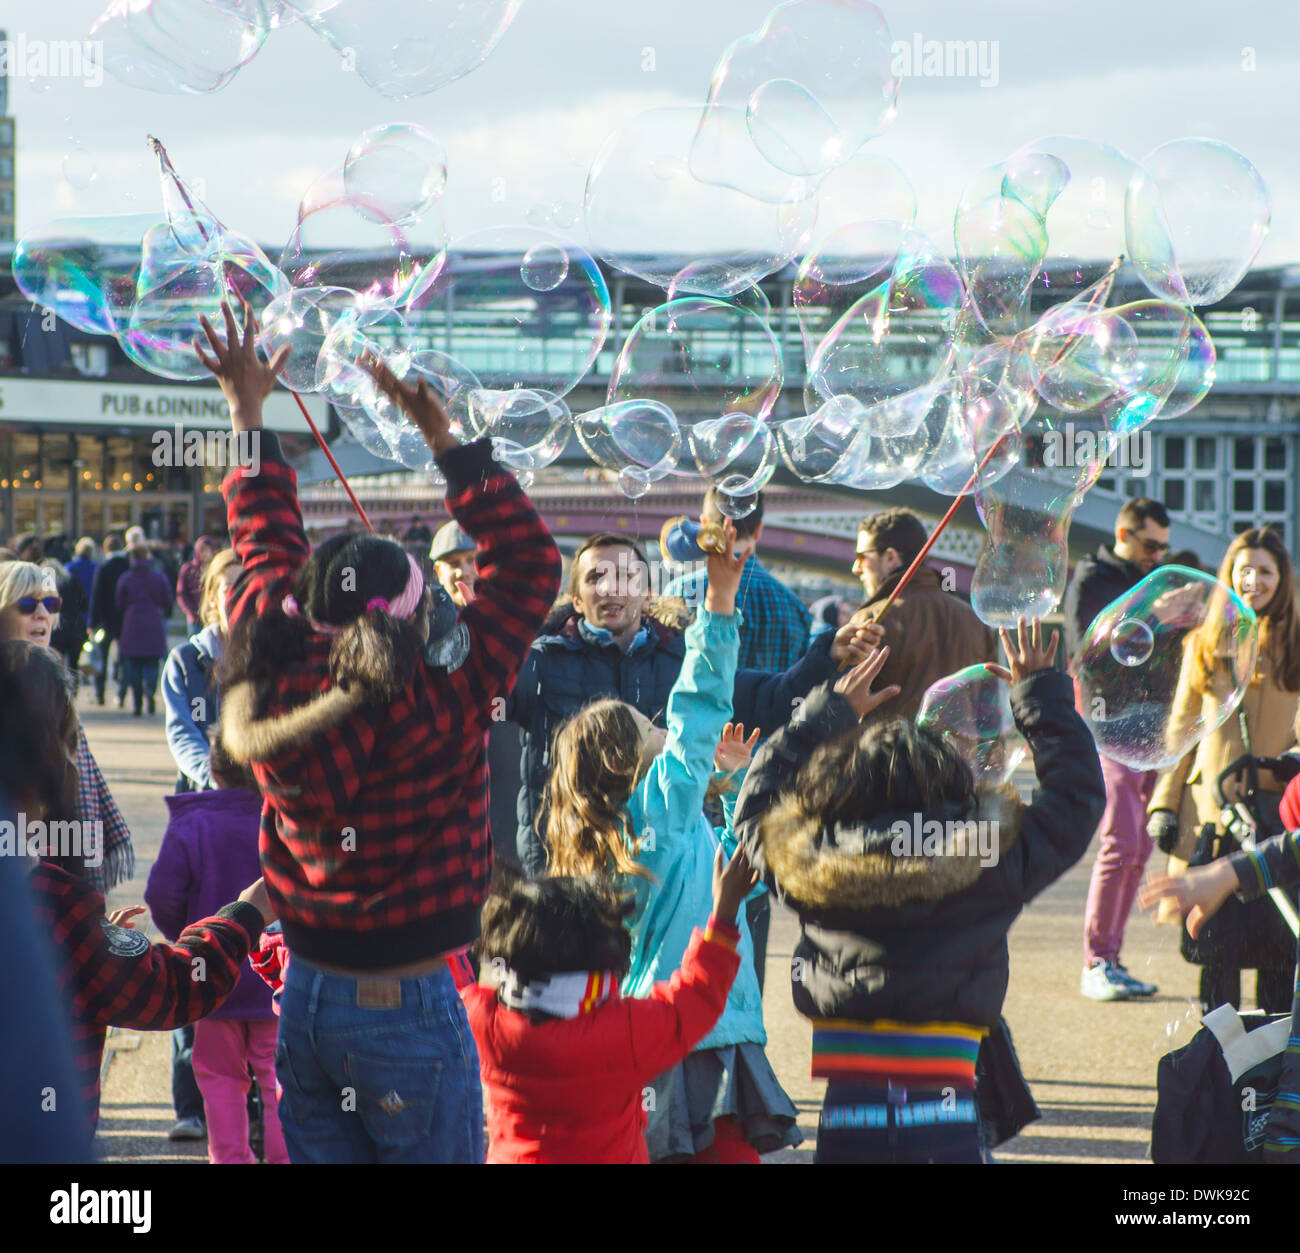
<point>734,752</point>
<point>1025,652</point>
<point>732,881</point>
<point>122,917</point>
<point>417,400</point>
<point>855,686</point>
<point>246,380</point>
<point>724,573</point>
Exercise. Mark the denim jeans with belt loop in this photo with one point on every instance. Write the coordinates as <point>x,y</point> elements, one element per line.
<point>377,1069</point>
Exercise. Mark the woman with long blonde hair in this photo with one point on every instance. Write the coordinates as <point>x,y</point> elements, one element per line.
<point>625,801</point>
<point>1258,568</point>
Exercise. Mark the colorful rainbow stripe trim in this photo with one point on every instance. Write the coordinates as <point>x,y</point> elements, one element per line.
<point>920,1054</point>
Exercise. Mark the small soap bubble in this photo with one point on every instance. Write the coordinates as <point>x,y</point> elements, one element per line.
<point>544,267</point>
<point>1132,642</point>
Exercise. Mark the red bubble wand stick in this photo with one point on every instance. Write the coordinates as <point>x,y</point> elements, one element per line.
<point>177,184</point>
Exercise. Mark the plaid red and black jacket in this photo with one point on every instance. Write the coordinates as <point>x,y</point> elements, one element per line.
<point>113,977</point>
<point>375,844</point>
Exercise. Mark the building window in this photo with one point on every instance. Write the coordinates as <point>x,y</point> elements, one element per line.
<point>1175,447</point>
<point>6,131</point>
<point>1207,453</point>
<point>1243,454</point>
<point>1274,453</point>
<point>6,167</point>
<point>1274,495</point>
<point>1206,498</point>
<point>90,360</point>
<point>1175,495</point>
<point>6,202</point>
<point>1243,496</point>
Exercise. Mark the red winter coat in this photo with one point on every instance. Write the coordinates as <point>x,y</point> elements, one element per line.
<point>570,1090</point>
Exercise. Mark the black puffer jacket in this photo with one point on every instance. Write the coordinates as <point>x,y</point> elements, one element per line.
<point>1098,580</point>
<point>918,939</point>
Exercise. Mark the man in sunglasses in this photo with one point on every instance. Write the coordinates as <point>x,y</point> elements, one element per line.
<point>1141,543</point>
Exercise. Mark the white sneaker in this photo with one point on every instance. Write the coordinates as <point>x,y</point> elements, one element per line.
<point>1135,985</point>
<point>1103,982</point>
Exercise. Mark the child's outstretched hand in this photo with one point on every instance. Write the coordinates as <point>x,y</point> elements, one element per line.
<point>1026,653</point>
<point>734,752</point>
<point>1196,894</point>
<point>855,686</point>
<point>732,881</point>
<point>255,895</point>
<point>123,917</point>
<point>417,400</point>
<point>246,381</point>
<point>724,573</point>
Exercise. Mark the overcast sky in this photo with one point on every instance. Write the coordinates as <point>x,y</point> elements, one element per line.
<point>1134,72</point>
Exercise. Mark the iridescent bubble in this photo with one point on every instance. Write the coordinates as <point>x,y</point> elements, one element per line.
<point>633,482</point>
<point>179,46</point>
<point>972,711</point>
<point>405,48</point>
<point>650,214</point>
<point>394,173</point>
<point>737,452</point>
<point>529,426</point>
<point>303,318</point>
<point>79,167</point>
<point>1174,368</point>
<point>701,358</point>
<point>637,437</point>
<point>85,269</point>
<point>520,335</point>
<point>894,337</point>
<point>1132,642</point>
<point>817,80</point>
<point>735,507</point>
<point>1022,568</point>
<point>544,267</point>
<point>337,245</point>
<point>1149,716</point>
<point>1196,216</point>
<point>1000,247</point>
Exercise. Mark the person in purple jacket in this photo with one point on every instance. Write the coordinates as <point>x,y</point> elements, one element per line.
<point>210,841</point>
<point>144,597</point>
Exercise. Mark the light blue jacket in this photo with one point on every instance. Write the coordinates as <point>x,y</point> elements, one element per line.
<point>677,846</point>
<point>191,706</point>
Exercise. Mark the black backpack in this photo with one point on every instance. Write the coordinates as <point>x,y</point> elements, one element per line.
<point>1214,1095</point>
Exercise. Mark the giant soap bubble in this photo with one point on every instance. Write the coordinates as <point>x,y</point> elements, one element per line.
<point>1140,671</point>
<point>972,711</point>
<point>816,81</point>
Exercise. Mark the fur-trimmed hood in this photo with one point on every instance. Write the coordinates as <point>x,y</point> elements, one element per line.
<point>894,860</point>
<point>248,738</point>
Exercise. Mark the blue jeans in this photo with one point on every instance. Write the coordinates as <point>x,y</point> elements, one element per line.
<point>863,1124</point>
<point>372,1082</point>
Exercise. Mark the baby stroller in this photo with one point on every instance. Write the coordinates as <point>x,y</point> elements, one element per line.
<point>1216,1094</point>
<point>1260,935</point>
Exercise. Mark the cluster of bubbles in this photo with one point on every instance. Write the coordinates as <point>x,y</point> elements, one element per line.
<point>1150,645</point>
<point>1061,320</point>
<point>972,711</point>
<point>401,48</point>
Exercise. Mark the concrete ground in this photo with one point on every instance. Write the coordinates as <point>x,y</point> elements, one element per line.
<point>1092,1067</point>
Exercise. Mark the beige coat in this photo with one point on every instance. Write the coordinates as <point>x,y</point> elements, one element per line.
<point>1188,788</point>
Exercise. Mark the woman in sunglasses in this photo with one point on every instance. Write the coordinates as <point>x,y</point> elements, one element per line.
<point>29,610</point>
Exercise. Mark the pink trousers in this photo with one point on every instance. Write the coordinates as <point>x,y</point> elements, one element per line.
<point>224,1049</point>
<point>1117,872</point>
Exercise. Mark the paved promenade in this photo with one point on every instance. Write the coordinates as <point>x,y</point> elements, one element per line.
<point>1092,1067</point>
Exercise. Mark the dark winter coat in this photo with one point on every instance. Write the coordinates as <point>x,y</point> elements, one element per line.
<point>565,671</point>
<point>144,596</point>
<point>103,597</point>
<point>1098,580</point>
<point>917,938</point>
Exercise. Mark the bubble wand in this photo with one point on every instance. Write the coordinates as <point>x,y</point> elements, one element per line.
<point>1106,279</point>
<point>168,172</point>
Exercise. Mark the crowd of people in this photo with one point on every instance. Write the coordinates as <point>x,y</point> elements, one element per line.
<point>478,871</point>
